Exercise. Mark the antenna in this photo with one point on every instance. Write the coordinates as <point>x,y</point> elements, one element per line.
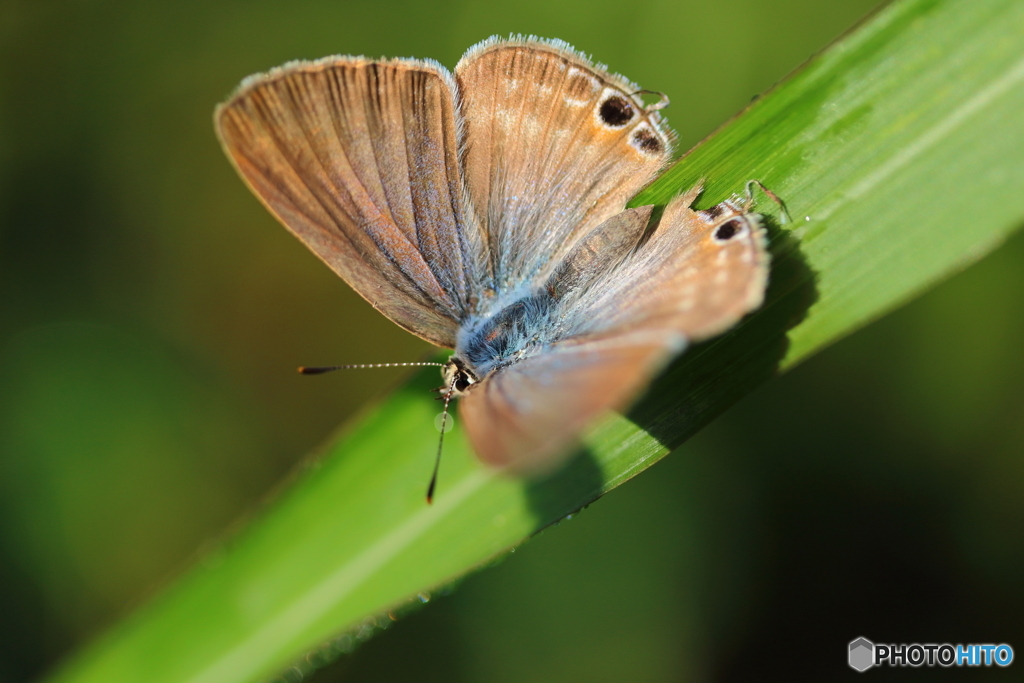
<point>444,415</point>
<point>358,366</point>
<point>440,441</point>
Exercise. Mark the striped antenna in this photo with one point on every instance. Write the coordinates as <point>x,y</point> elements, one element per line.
<point>357,366</point>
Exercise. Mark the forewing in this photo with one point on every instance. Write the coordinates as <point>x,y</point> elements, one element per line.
<point>359,159</point>
<point>526,417</point>
<point>554,146</point>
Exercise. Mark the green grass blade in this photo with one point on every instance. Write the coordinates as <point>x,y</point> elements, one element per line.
<point>900,152</point>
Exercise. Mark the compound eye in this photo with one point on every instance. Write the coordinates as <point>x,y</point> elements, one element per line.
<point>462,382</point>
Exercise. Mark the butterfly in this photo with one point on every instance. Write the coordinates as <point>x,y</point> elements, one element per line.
<point>484,210</point>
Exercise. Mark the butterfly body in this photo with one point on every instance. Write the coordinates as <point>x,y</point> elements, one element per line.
<point>489,343</point>
<point>484,211</point>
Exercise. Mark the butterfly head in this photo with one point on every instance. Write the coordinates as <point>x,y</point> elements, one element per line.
<point>458,377</point>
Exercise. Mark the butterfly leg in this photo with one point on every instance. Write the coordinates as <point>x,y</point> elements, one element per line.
<point>748,199</point>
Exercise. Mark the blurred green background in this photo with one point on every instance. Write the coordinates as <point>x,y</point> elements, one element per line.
<point>152,314</point>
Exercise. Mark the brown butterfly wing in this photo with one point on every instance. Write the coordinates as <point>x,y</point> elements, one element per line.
<point>697,275</point>
<point>554,146</point>
<point>359,159</point>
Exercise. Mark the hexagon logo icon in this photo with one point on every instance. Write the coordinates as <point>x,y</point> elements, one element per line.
<point>862,654</point>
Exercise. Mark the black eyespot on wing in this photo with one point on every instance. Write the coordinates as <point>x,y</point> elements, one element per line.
<point>616,111</point>
<point>727,230</point>
<point>646,140</point>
